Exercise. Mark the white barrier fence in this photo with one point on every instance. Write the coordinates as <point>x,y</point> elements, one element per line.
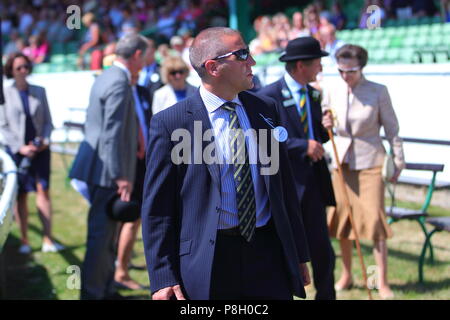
<point>8,182</point>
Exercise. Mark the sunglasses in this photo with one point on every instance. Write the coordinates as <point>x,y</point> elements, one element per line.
<point>175,72</point>
<point>241,55</point>
<point>351,70</point>
<point>24,66</point>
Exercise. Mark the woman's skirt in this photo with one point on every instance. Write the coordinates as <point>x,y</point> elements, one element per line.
<point>365,189</point>
<point>38,171</point>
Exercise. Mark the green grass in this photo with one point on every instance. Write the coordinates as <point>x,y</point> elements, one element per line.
<point>45,275</point>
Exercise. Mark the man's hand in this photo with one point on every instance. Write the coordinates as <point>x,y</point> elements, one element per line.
<point>304,273</point>
<point>124,188</point>
<point>28,150</point>
<point>167,293</point>
<point>327,120</point>
<point>315,150</point>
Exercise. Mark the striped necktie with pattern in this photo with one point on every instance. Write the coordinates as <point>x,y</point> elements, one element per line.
<point>303,111</point>
<point>245,194</point>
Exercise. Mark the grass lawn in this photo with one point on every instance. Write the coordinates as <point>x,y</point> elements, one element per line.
<point>51,275</point>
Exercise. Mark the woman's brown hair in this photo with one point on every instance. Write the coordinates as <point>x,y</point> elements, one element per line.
<point>351,51</point>
<point>10,62</point>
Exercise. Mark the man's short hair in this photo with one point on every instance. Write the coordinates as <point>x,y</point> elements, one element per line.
<point>129,44</point>
<point>208,44</point>
<point>291,65</point>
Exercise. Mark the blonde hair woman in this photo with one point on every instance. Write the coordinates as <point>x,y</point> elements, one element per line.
<point>174,72</point>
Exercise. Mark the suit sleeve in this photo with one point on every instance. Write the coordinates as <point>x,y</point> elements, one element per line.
<point>322,130</point>
<point>116,101</point>
<point>391,127</point>
<point>293,204</point>
<point>10,138</point>
<point>159,210</point>
<point>48,125</point>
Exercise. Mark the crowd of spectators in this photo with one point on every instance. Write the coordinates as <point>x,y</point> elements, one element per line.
<point>320,22</point>
<point>274,32</point>
<point>33,26</point>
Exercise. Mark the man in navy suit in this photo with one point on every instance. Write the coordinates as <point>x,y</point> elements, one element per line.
<point>224,229</point>
<point>301,113</point>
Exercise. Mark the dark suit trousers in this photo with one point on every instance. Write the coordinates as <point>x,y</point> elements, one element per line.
<point>320,249</point>
<point>97,274</point>
<point>250,270</point>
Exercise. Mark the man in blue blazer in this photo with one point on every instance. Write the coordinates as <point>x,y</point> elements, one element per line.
<point>301,113</point>
<point>224,229</point>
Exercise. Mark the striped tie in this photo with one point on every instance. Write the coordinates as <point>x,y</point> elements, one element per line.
<point>303,111</point>
<point>245,194</point>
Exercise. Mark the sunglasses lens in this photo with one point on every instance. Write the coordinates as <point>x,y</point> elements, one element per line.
<point>242,54</point>
<point>173,73</point>
<point>351,71</point>
<point>22,67</point>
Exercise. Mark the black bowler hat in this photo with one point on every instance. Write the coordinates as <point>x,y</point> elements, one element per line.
<point>119,210</point>
<point>302,48</point>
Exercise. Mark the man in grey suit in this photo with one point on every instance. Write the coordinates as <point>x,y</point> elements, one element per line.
<point>106,161</point>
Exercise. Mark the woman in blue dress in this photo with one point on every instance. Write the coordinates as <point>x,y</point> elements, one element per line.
<point>26,125</point>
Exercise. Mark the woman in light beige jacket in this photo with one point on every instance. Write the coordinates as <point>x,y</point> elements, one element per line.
<point>361,108</point>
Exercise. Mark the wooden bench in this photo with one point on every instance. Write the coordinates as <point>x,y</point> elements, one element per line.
<point>396,213</point>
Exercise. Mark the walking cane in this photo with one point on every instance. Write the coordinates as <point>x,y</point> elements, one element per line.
<point>347,205</point>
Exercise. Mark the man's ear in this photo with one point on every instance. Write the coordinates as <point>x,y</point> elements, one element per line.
<point>138,54</point>
<point>212,68</point>
<point>299,65</point>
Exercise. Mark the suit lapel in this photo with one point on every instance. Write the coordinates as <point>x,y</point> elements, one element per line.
<point>315,112</point>
<point>294,117</point>
<point>255,116</point>
<point>33,100</point>
<point>200,115</point>
<point>258,118</point>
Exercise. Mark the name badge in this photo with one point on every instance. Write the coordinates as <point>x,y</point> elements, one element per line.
<point>154,78</point>
<point>288,103</point>
<point>286,93</point>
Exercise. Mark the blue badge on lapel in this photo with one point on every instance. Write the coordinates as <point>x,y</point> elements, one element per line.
<point>280,134</point>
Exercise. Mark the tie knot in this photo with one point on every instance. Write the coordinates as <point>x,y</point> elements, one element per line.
<point>230,106</point>
<point>302,90</point>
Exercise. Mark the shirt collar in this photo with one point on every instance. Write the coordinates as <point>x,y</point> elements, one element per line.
<point>293,85</point>
<point>213,102</point>
<point>124,68</point>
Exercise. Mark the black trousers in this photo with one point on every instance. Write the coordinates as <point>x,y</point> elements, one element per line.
<point>250,270</point>
<point>97,275</point>
<point>319,244</point>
